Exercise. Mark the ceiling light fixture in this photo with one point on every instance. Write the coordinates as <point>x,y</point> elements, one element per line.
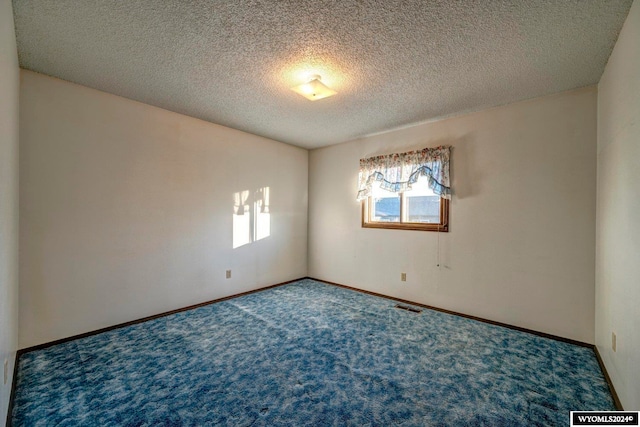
<point>314,89</point>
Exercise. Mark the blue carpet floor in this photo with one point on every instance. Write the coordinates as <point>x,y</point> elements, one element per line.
<point>308,354</point>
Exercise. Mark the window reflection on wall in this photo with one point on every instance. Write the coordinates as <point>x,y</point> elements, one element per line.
<point>251,216</point>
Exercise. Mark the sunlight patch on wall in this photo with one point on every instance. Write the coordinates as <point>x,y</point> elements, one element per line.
<point>251,216</point>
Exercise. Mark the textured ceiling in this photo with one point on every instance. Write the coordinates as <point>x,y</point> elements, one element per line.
<point>393,63</point>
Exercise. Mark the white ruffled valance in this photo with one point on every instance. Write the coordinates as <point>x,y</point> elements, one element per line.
<point>397,172</point>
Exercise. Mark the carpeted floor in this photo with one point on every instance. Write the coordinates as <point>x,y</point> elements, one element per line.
<point>308,354</point>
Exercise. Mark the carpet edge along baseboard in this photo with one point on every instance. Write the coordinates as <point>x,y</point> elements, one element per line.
<point>191,307</point>
<point>603,368</point>
<point>148,318</point>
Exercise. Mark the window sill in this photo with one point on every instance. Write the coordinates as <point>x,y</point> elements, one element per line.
<point>443,228</point>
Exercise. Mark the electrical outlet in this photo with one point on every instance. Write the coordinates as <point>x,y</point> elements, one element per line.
<point>228,274</point>
<point>403,277</point>
<point>613,341</point>
<point>6,370</point>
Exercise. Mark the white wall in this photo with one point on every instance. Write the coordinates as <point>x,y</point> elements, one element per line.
<point>9,90</point>
<point>618,214</point>
<point>521,245</point>
<point>126,210</point>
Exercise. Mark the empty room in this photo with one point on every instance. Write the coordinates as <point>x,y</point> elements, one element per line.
<point>335,213</point>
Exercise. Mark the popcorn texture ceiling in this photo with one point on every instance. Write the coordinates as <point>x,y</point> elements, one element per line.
<point>393,63</point>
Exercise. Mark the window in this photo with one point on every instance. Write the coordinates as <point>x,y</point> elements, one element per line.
<point>408,191</point>
<point>416,209</point>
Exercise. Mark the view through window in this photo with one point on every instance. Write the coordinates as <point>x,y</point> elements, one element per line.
<point>415,209</point>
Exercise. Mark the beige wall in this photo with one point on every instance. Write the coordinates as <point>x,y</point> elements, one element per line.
<point>127,210</point>
<point>618,214</point>
<point>521,245</point>
<point>9,89</point>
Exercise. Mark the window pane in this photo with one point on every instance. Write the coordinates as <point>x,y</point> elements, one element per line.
<point>422,205</point>
<point>385,206</point>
